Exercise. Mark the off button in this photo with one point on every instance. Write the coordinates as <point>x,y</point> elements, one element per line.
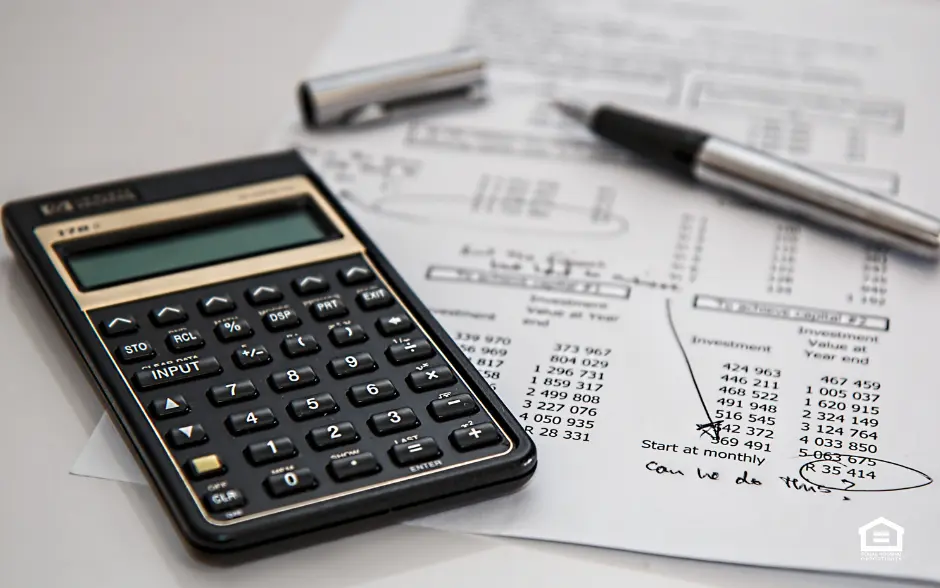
<point>224,500</point>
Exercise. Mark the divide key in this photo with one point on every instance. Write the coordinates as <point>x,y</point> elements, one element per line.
<point>176,372</point>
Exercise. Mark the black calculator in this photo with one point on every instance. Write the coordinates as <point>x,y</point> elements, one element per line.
<point>272,371</point>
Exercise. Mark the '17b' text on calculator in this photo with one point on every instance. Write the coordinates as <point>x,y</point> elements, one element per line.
<point>272,371</point>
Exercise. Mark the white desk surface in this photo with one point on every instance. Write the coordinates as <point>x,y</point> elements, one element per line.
<point>93,91</point>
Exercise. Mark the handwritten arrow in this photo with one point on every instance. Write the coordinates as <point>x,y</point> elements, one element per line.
<point>850,484</point>
<point>712,428</point>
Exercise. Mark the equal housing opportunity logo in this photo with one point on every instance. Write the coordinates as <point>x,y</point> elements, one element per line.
<point>881,540</point>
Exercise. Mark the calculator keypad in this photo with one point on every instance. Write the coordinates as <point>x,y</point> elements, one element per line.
<point>313,381</point>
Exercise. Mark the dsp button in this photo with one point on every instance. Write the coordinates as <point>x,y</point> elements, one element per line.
<point>278,320</point>
<point>134,352</point>
<point>408,351</point>
<point>430,378</point>
<point>356,466</point>
<point>176,372</point>
<point>355,274</point>
<point>421,450</point>
<point>119,325</point>
<point>187,436</point>
<point>453,407</point>
<point>292,482</point>
<point>224,500</point>
<point>263,295</point>
<point>328,309</point>
<point>465,439</point>
<point>185,340</point>
<point>168,315</point>
<point>374,298</point>
<point>217,304</point>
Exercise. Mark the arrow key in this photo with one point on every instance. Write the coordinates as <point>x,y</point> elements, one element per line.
<point>168,315</point>
<point>216,304</point>
<point>263,294</point>
<point>312,284</point>
<point>171,406</point>
<point>187,436</point>
<point>119,325</point>
<point>355,274</point>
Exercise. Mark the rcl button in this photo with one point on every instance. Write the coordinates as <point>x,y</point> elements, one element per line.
<point>224,500</point>
<point>134,352</point>
<point>185,340</point>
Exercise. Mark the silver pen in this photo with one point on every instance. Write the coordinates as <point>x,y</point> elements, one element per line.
<point>765,180</point>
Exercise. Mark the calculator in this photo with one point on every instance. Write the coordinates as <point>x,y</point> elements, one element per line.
<point>272,371</point>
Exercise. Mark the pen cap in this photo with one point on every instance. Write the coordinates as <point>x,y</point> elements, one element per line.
<point>379,92</point>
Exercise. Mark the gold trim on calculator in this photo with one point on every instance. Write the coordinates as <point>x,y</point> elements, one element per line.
<point>215,202</point>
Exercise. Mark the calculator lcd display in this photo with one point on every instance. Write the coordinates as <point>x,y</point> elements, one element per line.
<point>215,243</point>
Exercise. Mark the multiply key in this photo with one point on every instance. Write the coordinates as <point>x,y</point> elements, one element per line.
<point>176,372</point>
<point>430,378</point>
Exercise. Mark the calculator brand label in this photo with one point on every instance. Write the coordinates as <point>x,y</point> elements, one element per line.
<point>94,201</point>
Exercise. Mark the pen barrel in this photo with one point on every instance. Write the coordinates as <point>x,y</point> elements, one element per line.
<point>799,191</point>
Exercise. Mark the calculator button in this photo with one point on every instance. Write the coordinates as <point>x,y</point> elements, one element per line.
<point>205,466</point>
<point>223,500</point>
<point>347,335</point>
<point>414,350</point>
<point>312,284</point>
<point>430,378</point>
<point>372,392</point>
<point>394,324</point>
<point>248,422</point>
<point>134,352</point>
<point>453,407</point>
<point>271,450</point>
<point>233,330</point>
<point>351,365</point>
<point>465,439</point>
<point>312,406</point>
<point>119,325</point>
<point>217,304</point>
<point>374,298</point>
<point>356,274</point>
<point>328,309</point>
<point>347,468</point>
<point>263,295</point>
<point>418,451</point>
<point>393,421</point>
<point>291,482</point>
<point>168,315</point>
<point>292,379</point>
<point>248,357</point>
<point>185,340</point>
<point>333,435</point>
<point>187,436</point>
<point>300,346</point>
<point>234,392</point>
<point>171,406</point>
<point>278,320</point>
<point>176,372</point>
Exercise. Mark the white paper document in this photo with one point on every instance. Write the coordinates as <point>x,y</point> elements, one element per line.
<point>702,379</point>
